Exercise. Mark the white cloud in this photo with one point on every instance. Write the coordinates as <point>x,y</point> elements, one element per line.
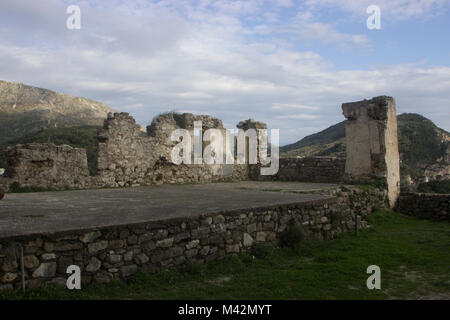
<point>306,26</point>
<point>284,106</point>
<point>298,116</point>
<point>394,9</point>
<point>153,59</point>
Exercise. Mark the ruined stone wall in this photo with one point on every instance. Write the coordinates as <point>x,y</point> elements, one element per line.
<point>308,169</point>
<point>127,156</point>
<point>372,143</point>
<point>425,205</point>
<point>120,251</point>
<point>46,165</point>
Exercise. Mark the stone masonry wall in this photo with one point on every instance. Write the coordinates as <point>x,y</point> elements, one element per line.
<point>372,143</point>
<point>118,252</point>
<point>308,169</point>
<point>127,156</point>
<point>425,205</point>
<point>46,165</point>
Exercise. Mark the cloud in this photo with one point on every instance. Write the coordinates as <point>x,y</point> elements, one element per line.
<point>287,106</point>
<point>306,26</point>
<point>151,57</point>
<point>298,116</point>
<point>394,9</point>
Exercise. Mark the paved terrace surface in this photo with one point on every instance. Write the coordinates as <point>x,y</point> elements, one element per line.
<point>49,212</point>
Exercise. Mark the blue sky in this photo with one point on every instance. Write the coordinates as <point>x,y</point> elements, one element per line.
<point>288,63</point>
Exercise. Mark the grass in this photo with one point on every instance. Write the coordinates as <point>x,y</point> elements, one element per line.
<point>413,256</point>
<point>15,187</point>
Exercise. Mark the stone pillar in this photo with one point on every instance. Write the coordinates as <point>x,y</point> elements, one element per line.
<point>372,143</point>
<point>252,124</point>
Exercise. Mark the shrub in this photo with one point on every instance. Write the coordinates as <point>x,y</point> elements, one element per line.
<point>435,186</point>
<point>335,218</point>
<point>15,187</point>
<point>292,236</point>
<point>261,250</point>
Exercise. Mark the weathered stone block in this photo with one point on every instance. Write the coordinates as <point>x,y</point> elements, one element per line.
<point>9,277</point>
<point>90,236</point>
<point>127,271</point>
<point>165,243</point>
<point>192,244</point>
<point>372,143</point>
<point>45,270</point>
<point>248,240</point>
<point>97,246</point>
<point>94,265</point>
<point>30,261</point>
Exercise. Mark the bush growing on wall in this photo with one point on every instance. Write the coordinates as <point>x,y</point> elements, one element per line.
<point>435,187</point>
<point>292,236</point>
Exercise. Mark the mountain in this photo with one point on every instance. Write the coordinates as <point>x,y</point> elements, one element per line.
<point>26,110</point>
<point>424,148</point>
<point>328,142</point>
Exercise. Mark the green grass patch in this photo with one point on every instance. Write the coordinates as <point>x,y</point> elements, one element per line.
<point>413,256</point>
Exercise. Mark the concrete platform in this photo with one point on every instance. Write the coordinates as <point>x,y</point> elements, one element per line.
<point>49,212</point>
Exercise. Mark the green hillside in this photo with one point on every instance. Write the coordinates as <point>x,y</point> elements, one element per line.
<point>421,143</point>
<point>26,110</point>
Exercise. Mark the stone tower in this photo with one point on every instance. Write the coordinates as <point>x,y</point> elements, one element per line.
<point>372,143</point>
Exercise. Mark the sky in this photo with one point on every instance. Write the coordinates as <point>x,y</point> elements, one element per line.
<point>288,63</point>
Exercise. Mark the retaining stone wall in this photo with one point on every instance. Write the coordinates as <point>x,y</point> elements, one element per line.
<point>425,205</point>
<point>308,169</point>
<point>118,252</point>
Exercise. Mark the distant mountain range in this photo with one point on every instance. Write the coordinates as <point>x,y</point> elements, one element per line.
<point>424,148</point>
<point>25,110</point>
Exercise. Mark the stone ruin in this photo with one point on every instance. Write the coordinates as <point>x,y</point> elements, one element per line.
<point>372,143</point>
<point>127,156</point>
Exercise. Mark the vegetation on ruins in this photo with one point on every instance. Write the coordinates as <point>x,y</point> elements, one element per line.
<point>15,187</point>
<point>436,186</point>
<point>180,118</point>
<point>412,254</point>
<point>292,237</point>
